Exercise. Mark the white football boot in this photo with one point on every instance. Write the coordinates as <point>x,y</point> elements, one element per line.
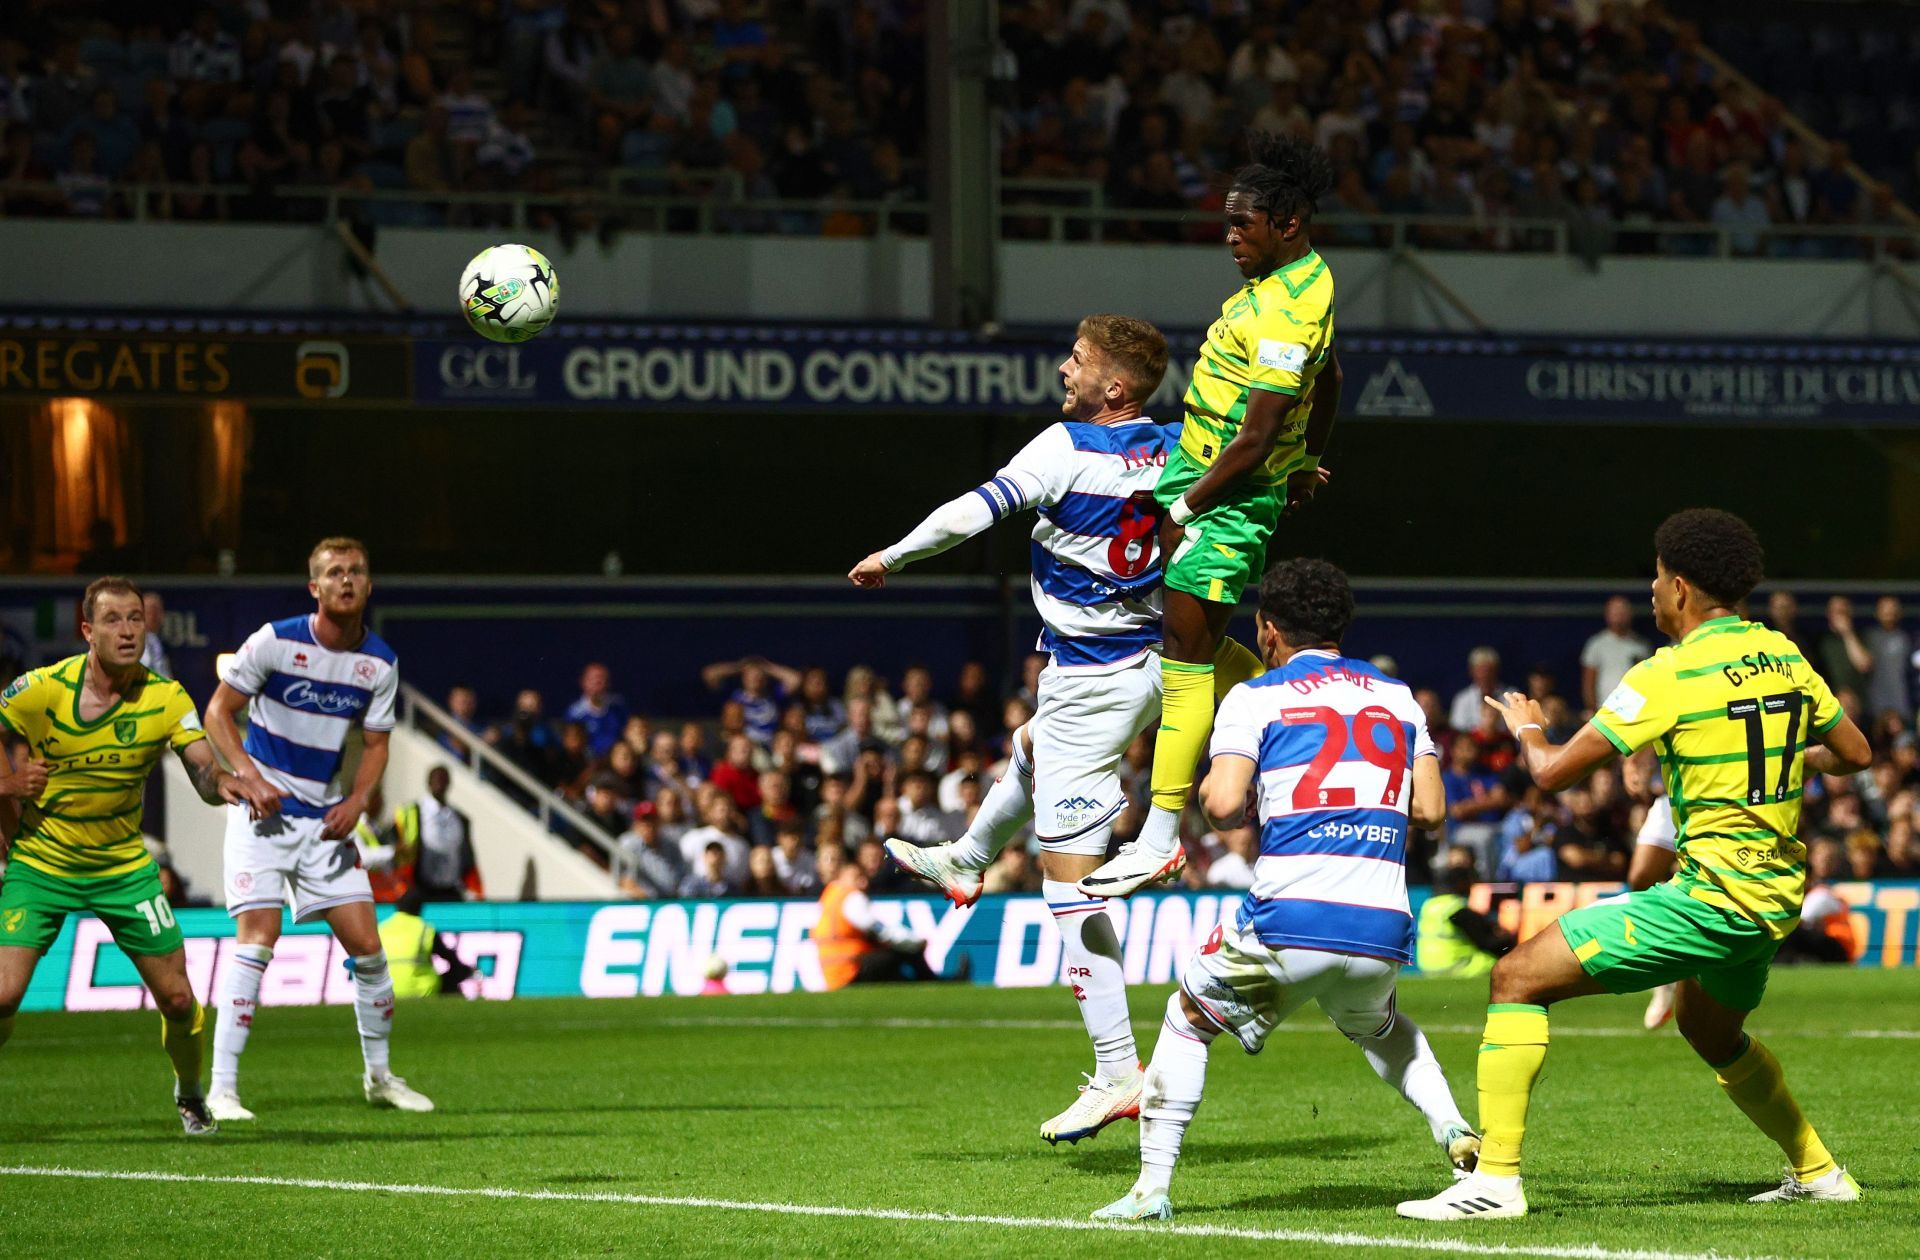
<point>1130,870</point>
<point>1837,1186</point>
<point>1101,1102</point>
<point>392,1091</point>
<point>935,864</point>
<point>225,1105</point>
<point>1134,1206</point>
<point>1475,1197</point>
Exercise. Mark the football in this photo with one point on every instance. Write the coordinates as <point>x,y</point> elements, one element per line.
<point>509,293</point>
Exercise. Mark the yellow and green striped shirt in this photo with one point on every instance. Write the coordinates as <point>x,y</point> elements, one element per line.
<point>1730,709</point>
<point>86,823</point>
<point>1274,334</point>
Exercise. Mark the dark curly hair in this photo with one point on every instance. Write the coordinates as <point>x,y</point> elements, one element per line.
<point>1307,601</point>
<point>1717,552</point>
<point>1288,176</point>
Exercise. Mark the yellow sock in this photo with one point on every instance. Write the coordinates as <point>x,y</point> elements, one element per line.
<point>186,1043</point>
<point>6,1029</point>
<point>1186,720</point>
<point>1758,1087</point>
<point>1511,1052</point>
<point>1233,664</point>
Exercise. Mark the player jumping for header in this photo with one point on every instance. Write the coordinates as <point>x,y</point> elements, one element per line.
<point>1339,759</point>
<point>305,681</point>
<point>1259,412</point>
<point>93,726</point>
<point>1096,585</point>
<point>1732,708</point>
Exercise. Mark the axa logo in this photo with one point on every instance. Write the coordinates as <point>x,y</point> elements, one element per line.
<point>1078,804</point>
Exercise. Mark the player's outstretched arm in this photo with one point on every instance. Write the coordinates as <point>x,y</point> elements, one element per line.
<point>1224,792</point>
<point>1842,749</point>
<point>217,787</point>
<point>949,525</point>
<point>1554,767</point>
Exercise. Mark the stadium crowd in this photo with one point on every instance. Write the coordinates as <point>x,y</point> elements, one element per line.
<point>790,762</point>
<point>1604,117</point>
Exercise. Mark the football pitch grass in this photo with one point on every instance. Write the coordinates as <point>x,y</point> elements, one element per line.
<point>864,1123</point>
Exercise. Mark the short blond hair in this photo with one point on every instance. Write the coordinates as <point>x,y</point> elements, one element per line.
<point>1135,348</point>
<point>339,542</point>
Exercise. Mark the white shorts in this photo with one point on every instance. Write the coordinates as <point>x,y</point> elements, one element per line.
<point>1657,830</point>
<point>283,859</point>
<point>1249,989</point>
<point>1082,730</point>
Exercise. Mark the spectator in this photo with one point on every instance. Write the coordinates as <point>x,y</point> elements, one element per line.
<point>922,821</point>
<point>826,715</point>
<point>709,878</point>
<point>1740,209</point>
<point>761,693</point>
<point>763,878</point>
<point>775,809</point>
<point>736,775</point>
<point>1476,799</point>
<point>599,711</point>
<point>916,695</point>
<point>154,654</point>
<point>525,738</point>
<point>463,706</point>
<point>205,53</point>
<point>441,840</point>
<point>1469,703</point>
<point>833,807</point>
<point>1783,615</point>
<point>1530,858</point>
<point>1014,871</point>
<point>1610,653</point>
<point>1845,660</point>
<point>796,867</point>
<point>1588,847</point>
<point>648,865</point>
<point>1891,648</point>
<point>674,812</point>
<point>720,827</point>
<point>606,810</point>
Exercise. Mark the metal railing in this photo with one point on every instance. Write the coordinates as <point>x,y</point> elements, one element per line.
<point>555,815</point>
<point>1046,210</point>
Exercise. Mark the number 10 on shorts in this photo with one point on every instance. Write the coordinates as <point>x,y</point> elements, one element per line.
<point>159,914</point>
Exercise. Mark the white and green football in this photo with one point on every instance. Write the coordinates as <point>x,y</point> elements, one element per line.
<point>509,293</point>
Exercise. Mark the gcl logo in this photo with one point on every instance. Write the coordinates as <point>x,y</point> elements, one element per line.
<point>320,369</point>
<point>493,368</point>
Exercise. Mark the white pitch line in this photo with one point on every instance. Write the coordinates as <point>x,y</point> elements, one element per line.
<point>1330,1239</point>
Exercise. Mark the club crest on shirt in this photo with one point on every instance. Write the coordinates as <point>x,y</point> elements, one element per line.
<point>363,673</point>
<point>124,729</point>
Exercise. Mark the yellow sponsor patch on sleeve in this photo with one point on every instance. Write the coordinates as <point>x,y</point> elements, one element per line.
<point>1586,951</point>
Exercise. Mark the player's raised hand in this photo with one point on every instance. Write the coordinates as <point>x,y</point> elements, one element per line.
<point>261,798</point>
<point>27,782</point>
<point>870,573</point>
<point>1303,485</point>
<point>1519,709</point>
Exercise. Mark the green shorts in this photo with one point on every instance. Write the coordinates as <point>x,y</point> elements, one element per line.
<point>1660,935</point>
<point>1225,547</point>
<point>34,904</point>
